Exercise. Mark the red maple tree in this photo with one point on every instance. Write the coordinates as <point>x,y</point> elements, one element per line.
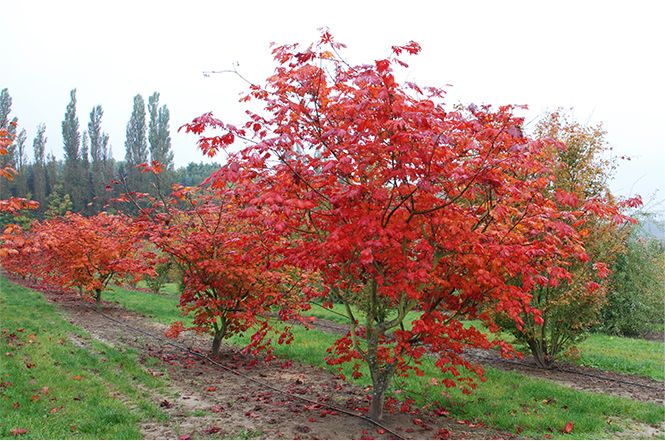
<point>399,203</point>
<point>74,251</point>
<point>231,277</point>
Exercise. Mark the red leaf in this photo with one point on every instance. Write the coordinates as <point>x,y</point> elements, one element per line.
<point>18,431</point>
<point>443,434</point>
<point>568,428</point>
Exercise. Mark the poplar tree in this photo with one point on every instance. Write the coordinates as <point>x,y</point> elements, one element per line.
<point>39,183</point>
<point>72,141</point>
<point>136,149</point>
<point>98,158</point>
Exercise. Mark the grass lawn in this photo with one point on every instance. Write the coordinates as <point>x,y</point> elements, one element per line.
<point>507,401</point>
<point>618,354</point>
<point>622,354</point>
<point>55,389</point>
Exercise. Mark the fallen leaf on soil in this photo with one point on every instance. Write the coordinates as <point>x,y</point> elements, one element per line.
<point>380,431</point>
<point>213,429</point>
<point>443,434</point>
<point>77,377</point>
<point>18,431</point>
<point>184,437</point>
<point>166,403</point>
<point>211,389</point>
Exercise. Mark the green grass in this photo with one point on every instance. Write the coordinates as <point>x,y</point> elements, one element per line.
<point>622,354</point>
<point>56,389</point>
<point>617,354</point>
<point>505,401</point>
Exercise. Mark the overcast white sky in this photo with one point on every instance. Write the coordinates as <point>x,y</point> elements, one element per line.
<point>604,59</point>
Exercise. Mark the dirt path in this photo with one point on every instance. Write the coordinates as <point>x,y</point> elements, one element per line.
<point>204,401</point>
<point>567,374</point>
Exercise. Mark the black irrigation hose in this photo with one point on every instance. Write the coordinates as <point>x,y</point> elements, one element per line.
<point>561,369</point>
<point>571,371</point>
<point>247,377</point>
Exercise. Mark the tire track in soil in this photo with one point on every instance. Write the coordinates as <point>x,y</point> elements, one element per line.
<point>202,401</point>
<point>567,374</point>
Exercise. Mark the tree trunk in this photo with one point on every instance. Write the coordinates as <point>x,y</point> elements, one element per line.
<point>217,342</point>
<point>378,399</point>
<point>98,298</point>
<point>381,377</point>
<point>540,354</point>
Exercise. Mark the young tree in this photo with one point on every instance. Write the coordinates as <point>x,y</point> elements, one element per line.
<point>86,253</point>
<point>231,282</point>
<point>571,294</point>
<point>72,143</point>
<point>399,204</point>
<point>136,149</point>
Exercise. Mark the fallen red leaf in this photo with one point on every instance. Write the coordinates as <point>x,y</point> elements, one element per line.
<point>211,389</point>
<point>568,428</point>
<point>77,377</point>
<point>184,437</point>
<point>18,431</point>
<point>213,429</point>
<point>380,431</point>
<point>443,434</point>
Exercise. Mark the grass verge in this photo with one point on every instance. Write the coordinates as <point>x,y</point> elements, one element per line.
<point>57,382</point>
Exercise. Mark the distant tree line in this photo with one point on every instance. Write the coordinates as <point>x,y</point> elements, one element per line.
<point>81,181</point>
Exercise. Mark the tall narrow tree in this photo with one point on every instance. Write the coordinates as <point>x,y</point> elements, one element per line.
<point>86,178</point>
<point>136,149</point>
<point>160,136</point>
<point>72,141</point>
<point>39,167</point>
<point>52,178</point>
<point>98,147</point>
<point>20,158</point>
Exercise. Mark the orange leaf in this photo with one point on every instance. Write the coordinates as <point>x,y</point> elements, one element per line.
<point>18,431</point>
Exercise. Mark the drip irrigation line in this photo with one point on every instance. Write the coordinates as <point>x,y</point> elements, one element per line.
<point>248,378</point>
<point>570,371</point>
<point>519,363</point>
